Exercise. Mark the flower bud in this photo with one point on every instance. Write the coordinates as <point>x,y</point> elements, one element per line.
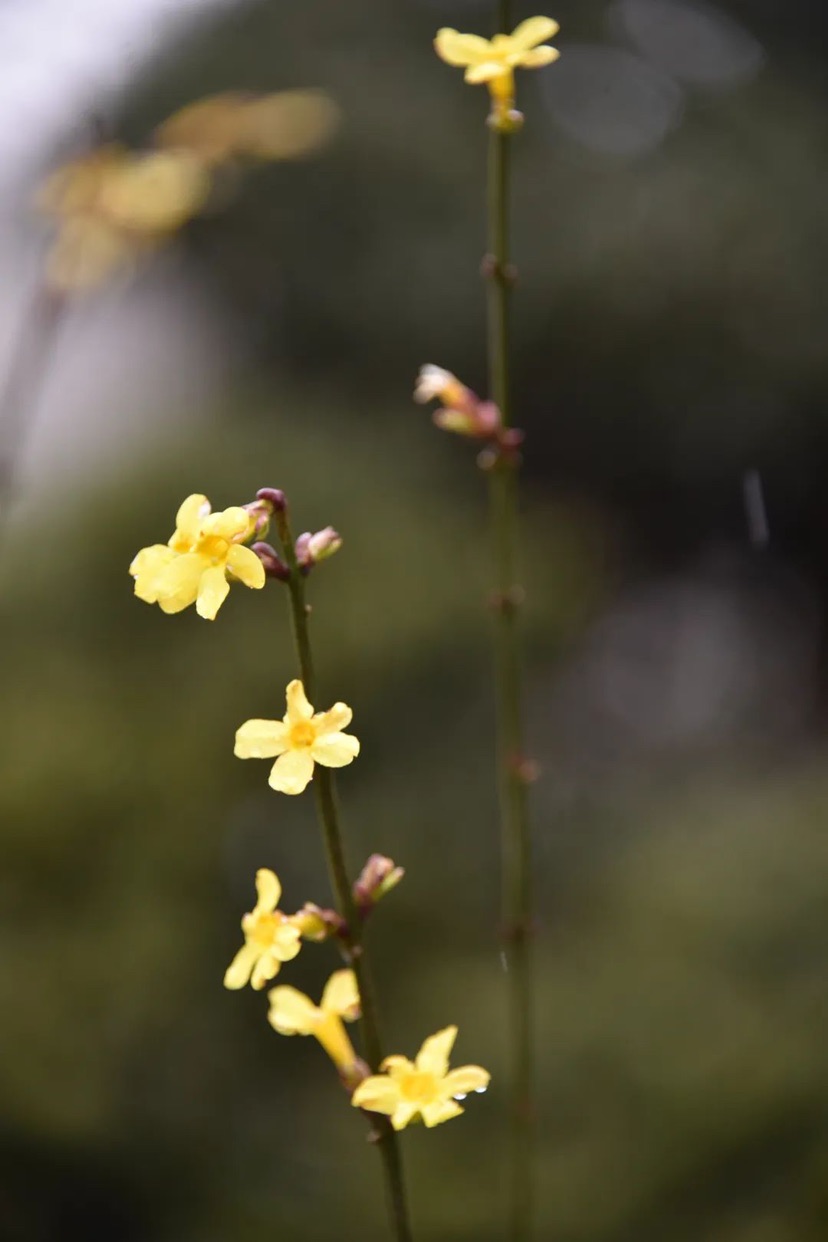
<point>323,544</point>
<point>274,566</point>
<point>314,923</point>
<point>312,548</point>
<point>259,519</point>
<point>378,877</point>
<point>273,498</point>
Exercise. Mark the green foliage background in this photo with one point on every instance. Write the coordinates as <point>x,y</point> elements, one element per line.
<point>681,909</point>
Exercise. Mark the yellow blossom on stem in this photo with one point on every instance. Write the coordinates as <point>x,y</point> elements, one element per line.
<point>300,740</point>
<point>426,1086</point>
<point>270,938</point>
<point>293,1013</point>
<point>493,61</point>
<point>193,567</point>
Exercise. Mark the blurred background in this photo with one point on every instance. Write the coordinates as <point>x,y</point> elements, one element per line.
<point>670,373</point>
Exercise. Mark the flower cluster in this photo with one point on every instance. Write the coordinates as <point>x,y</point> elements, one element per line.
<point>203,555</point>
<point>113,206</point>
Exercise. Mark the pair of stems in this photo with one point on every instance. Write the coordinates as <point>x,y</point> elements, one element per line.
<point>328,815</point>
<point>512,773</point>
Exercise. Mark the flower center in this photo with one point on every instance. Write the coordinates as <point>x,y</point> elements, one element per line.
<point>264,929</point>
<point>418,1087</point>
<point>302,734</point>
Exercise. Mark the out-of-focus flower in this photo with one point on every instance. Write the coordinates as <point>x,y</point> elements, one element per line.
<point>270,938</point>
<point>426,1086</point>
<point>113,206</point>
<point>193,567</point>
<point>493,61</point>
<point>462,410</point>
<point>294,1013</point>
<point>300,740</point>
<point>435,383</point>
<point>238,126</point>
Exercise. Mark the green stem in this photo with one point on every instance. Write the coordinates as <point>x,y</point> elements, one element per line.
<point>511,767</point>
<point>328,814</point>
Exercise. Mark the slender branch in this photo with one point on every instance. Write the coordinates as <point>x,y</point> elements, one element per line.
<point>328,814</point>
<point>23,381</point>
<point>511,765</point>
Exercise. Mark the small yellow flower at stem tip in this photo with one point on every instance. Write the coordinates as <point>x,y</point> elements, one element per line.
<point>425,1087</point>
<point>293,1013</point>
<point>193,566</point>
<point>493,61</point>
<point>270,938</point>
<point>298,741</point>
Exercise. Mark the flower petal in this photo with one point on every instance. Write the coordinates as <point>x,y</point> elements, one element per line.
<point>395,1066</point>
<point>246,565</point>
<point>378,1094</point>
<point>266,968</point>
<point>227,523</point>
<point>298,707</point>
<point>238,972</point>
<point>189,517</point>
<point>146,567</point>
<point>461,49</point>
<point>538,57</point>
<point>403,1114</point>
<point>439,1111</point>
<point>433,1057</point>
<point>268,891</point>
<point>292,772</point>
<point>532,32</point>
<point>337,717</point>
<point>260,739</point>
<point>486,71</point>
<point>213,590</point>
<point>292,1012</point>
<point>341,995</point>
<point>178,583</point>
<point>464,1079</point>
<point>287,941</point>
<point>335,750</point>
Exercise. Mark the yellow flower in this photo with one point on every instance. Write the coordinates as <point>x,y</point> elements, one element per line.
<point>114,205</point>
<point>426,1086</point>
<point>232,125</point>
<point>270,938</point>
<point>294,1013</point>
<point>193,567</point>
<point>493,61</point>
<point>300,740</point>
